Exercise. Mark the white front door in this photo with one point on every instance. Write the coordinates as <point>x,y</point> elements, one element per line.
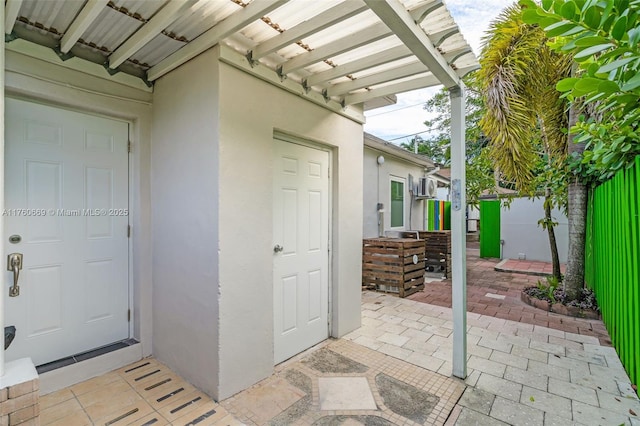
<point>66,201</point>
<point>301,242</point>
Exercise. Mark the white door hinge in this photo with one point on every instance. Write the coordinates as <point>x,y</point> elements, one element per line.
<point>129,146</point>
<point>128,231</point>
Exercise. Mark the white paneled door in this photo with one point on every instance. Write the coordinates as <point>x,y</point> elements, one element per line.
<point>66,212</point>
<point>300,252</point>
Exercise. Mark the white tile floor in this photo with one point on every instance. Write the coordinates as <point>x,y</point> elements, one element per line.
<point>518,374</point>
<point>340,398</point>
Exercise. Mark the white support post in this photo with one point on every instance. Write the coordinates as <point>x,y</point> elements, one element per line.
<point>3,287</point>
<point>458,232</point>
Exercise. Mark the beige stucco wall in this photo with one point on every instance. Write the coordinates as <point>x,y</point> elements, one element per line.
<point>377,189</point>
<point>202,208</point>
<point>251,110</point>
<point>185,221</point>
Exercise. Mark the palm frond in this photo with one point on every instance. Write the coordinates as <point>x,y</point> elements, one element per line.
<point>518,75</point>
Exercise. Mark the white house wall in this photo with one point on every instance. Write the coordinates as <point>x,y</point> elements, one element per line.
<point>185,221</point>
<point>251,110</point>
<point>201,207</point>
<point>47,82</point>
<point>443,194</point>
<point>377,189</point>
<point>521,233</point>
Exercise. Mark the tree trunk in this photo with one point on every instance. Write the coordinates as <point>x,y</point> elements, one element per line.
<point>577,209</point>
<point>555,259</point>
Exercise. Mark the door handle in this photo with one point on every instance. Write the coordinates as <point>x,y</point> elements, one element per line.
<point>14,264</point>
<point>277,248</point>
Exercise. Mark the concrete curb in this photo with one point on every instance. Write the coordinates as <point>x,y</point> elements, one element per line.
<point>499,268</point>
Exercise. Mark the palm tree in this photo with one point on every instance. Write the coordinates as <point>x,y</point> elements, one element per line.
<point>526,118</point>
<point>577,212</point>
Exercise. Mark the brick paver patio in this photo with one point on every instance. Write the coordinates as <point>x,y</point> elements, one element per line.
<point>497,294</point>
<point>530,267</point>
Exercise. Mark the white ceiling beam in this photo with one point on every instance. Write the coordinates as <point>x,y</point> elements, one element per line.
<point>380,102</point>
<point>381,58</point>
<point>403,71</point>
<point>11,11</point>
<point>420,82</point>
<point>87,15</point>
<point>453,55</point>
<point>396,17</point>
<point>416,83</point>
<point>466,70</point>
<point>161,20</point>
<point>366,36</point>
<point>316,24</point>
<point>439,37</point>
<point>420,13</point>
<point>235,22</point>
<point>266,74</point>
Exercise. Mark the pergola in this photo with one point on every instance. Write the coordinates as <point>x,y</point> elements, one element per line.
<point>336,53</point>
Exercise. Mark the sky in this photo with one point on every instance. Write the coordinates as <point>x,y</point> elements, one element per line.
<point>395,122</point>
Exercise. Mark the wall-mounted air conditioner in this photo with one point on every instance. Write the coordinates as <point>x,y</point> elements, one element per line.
<point>427,188</point>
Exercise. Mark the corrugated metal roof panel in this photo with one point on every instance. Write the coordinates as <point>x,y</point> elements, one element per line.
<point>291,51</point>
<point>111,29</point>
<point>400,80</point>
<point>118,21</point>
<point>386,67</point>
<point>369,49</point>
<point>56,15</point>
<point>344,29</point>
<point>259,31</point>
<point>201,17</point>
<point>291,14</point>
<point>157,49</point>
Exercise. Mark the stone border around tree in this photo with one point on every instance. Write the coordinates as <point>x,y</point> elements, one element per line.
<point>559,308</point>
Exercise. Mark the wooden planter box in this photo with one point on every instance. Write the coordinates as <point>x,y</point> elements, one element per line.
<point>437,246</point>
<point>393,265</point>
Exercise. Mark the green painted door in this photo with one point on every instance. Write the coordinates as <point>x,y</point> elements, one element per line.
<point>490,228</point>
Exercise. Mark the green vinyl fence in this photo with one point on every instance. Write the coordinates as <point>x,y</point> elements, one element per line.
<point>490,228</point>
<point>612,261</point>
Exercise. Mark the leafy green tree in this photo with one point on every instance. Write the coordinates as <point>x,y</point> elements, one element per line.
<point>479,172</point>
<point>526,118</point>
<point>430,147</point>
<point>603,38</point>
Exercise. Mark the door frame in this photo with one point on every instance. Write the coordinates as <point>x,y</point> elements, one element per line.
<point>130,199</point>
<point>308,143</point>
<point>49,82</point>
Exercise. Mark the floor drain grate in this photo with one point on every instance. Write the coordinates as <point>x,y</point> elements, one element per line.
<point>125,415</point>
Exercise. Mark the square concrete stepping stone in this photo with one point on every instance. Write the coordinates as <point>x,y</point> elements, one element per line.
<point>495,296</point>
<point>345,393</point>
